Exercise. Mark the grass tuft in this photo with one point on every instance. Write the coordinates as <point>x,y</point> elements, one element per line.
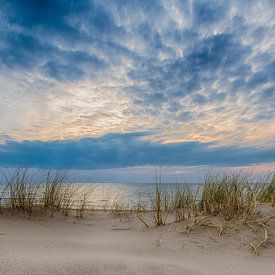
<point>22,194</point>
<point>267,192</point>
<point>230,196</point>
<point>184,203</point>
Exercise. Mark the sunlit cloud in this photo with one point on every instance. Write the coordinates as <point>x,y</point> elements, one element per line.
<point>177,71</point>
<point>72,110</point>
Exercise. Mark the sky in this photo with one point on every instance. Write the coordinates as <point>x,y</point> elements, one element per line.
<point>121,86</point>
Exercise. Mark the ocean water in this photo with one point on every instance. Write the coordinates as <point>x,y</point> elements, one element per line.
<point>108,195</point>
<point>112,195</point>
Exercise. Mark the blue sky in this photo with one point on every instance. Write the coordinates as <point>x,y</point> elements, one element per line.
<point>119,84</point>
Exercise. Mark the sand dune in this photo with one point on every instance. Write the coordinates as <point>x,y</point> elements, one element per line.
<point>104,245</point>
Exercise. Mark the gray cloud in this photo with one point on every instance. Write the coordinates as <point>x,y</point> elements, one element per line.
<point>124,150</point>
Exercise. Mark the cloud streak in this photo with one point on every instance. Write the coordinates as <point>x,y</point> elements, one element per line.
<point>125,150</point>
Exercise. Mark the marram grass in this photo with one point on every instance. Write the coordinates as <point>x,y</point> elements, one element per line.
<point>231,195</point>
<point>21,194</point>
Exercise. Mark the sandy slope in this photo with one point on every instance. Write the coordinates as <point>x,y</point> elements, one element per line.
<point>104,245</point>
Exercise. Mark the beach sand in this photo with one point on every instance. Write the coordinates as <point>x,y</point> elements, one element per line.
<point>102,244</point>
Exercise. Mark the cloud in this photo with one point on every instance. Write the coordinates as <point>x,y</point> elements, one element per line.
<point>39,36</point>
<point>76,110</point>
<point>183,71</point>
<point>124,150</point>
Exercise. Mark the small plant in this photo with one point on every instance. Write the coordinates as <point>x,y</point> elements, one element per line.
<point>184,203</point>
<point>21,192</point>
<point>82,205</point>
<point>139,209</point>
<point>160,203</point>
<point>52,193</point>
<point>264,240</point>
<point>120,209</point>
<point>68,198</point>
<point>230,196</point>
<point>267,192</point>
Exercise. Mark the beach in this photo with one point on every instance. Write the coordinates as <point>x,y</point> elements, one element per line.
<point>137,137</point>
<point>106,244</point>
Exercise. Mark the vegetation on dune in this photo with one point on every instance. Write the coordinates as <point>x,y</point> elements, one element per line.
<point>232,197</point>
<point>21,193</point>
<point>184,203</point>
<point>160,203</point>
<point>267,190</point>
<point>223,202</point>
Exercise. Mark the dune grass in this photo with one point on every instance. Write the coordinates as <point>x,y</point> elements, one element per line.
<point>267,190</point>
<point>82,204</point>
<point>52,191</point>
<point>233,195</point>
<point>160,202</point>
<point>184,203</point>
<point>21,193</point>
<point>225,201</point>
<point>231,198</point>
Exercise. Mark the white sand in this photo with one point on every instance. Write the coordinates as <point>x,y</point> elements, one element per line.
<point>104,245</point>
